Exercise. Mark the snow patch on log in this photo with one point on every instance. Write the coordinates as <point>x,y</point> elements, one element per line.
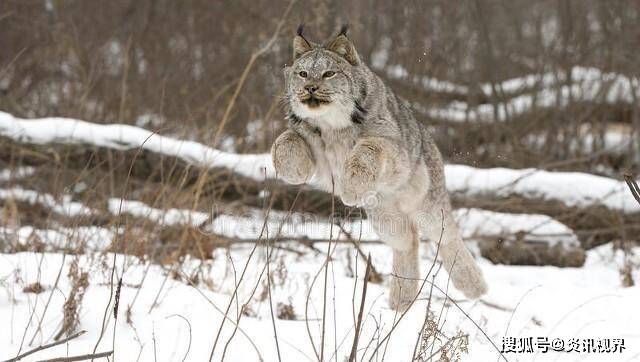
<point>63,205</point>
<point>571,188</point>
<point>123,137</point>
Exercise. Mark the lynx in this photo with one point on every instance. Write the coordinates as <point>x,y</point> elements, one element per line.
<point>348,133</point>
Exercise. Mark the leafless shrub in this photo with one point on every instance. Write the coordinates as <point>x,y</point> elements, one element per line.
<point>435,343</point>
<point>170,73</point>
<point>35,288</point>
<point>285,311</point>
<point>71,309</point>
<point>625,275</point>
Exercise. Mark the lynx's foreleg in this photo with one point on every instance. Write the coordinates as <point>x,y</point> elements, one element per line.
<point>373,163</point>
<point>292,158</point>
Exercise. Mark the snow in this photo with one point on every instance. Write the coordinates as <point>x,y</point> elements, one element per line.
<point>540,228</point>
<point>122,136</point>
<point>249,224</point>
<point>16,174</point>
<point>616,139</point>
<point>571,188</point>
<point>65,206</point>
<point>590,90</point>
<point>616,86</point>
<point>537,301</point>
<point>170,317</point>
<point>166,217</point>
<point>428,83</point>
<point>588,81</point>
<point>472,222</point>
<point>586,84</point>
<point>92,238</point>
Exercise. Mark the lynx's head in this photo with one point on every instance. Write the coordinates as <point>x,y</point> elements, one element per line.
<point>321,85</point>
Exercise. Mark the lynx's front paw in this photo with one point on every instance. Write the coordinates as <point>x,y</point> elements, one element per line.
<point>360,176</point>
<point>292,158</point>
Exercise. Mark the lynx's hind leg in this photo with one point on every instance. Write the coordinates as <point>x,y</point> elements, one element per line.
<point>399,232</point>
<point>404,282</point>
<point>457,260</point>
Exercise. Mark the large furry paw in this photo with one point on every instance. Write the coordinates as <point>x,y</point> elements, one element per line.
<point>467,277</point>
<point>402,293</point>
<point>360,176</point>
<point>292,158</point>
<point>470,281</point>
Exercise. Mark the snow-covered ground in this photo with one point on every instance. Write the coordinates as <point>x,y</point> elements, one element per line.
<point>565,303</point>
<point>171,319</point>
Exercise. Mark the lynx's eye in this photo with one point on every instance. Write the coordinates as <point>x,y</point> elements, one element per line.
<point>328,74</point>
<point>303,74</point>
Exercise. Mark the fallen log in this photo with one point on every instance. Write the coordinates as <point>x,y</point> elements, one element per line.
<point>169,181</point>
<point>530,252</point>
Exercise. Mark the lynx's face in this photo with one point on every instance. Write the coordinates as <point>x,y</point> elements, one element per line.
<point>320,85</point>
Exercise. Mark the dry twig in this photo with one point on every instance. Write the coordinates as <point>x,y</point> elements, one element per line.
<point>354,347</point>
<point>83,357</point>
<point>45,346</point>
<point>633,186</point>
<point>247,68</point>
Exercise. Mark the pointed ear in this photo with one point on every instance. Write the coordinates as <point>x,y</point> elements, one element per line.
<point>300,44</point>
<point>343,47</point>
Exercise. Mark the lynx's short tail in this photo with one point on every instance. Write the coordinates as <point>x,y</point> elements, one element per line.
<point>457,260</point>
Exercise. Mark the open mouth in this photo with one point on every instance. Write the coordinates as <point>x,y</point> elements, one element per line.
<point>313,102</point>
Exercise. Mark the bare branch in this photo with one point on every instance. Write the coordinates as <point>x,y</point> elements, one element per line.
<point>633,186</point>
<point>45,346</point>
<point>83,357</point>
<point>354,347</point>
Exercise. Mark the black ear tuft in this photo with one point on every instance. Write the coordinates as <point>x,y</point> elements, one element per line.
<point>299,33</point>
<point>344,29</point>
<point>343,46</point>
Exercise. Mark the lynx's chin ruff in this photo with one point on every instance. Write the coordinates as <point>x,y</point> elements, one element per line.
<point>350,133</point>
<point>329,115</point>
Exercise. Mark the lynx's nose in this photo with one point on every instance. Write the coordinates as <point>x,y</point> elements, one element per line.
<point>312,88</point>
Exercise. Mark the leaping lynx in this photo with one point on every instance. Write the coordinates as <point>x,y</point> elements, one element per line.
<point>350,133</point>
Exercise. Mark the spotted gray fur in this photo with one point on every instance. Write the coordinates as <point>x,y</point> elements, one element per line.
<point>350,134</point>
